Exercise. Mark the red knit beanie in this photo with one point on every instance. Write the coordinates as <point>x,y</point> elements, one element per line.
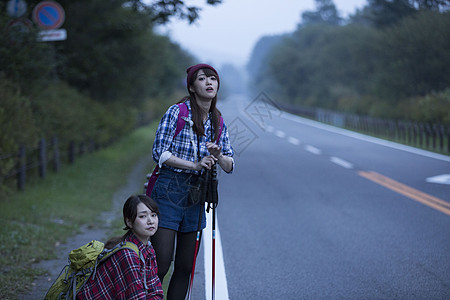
<point>192,69</point>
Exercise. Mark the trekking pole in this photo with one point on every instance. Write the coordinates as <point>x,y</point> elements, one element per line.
<point>197,241</point>
<point>213,252</point>
<point>214,202</point>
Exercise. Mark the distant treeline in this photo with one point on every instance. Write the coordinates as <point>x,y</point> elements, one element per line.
<point>389,60</point>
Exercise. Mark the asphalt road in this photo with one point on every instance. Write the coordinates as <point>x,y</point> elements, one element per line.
<point>315,212</point>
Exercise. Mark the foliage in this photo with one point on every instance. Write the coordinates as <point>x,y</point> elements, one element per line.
<point>46,214</point>
<point>164,9</point>
<point>326,13</point>
<point>23,61</point>
<point>414,56</point>
<point>15,112</point>
<point>257,65</point>
<point>122,59</point>
<point>383,13</point>
<point>432,108</point>
<point>362,69</point>
<point>321,54</point>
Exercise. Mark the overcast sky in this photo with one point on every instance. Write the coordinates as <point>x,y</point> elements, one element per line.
<point>227,33</point>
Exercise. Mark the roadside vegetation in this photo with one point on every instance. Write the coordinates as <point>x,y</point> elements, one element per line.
<point>49,211</point>
<point>389,60</point>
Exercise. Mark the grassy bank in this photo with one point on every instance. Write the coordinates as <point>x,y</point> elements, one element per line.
<point>53,209</point>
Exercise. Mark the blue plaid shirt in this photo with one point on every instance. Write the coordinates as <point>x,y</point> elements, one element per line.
<point>181,146</point>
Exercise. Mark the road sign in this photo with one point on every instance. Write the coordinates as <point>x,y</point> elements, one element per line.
<point>48,15</point>
<point>19,25</point>
<point>52,35</point>
<point>16,8</point>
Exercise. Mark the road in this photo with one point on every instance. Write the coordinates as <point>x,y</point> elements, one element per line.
<point>316,212</point>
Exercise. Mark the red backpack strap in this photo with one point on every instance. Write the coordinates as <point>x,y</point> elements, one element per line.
<point>220,130</point>
<point>184,112</point>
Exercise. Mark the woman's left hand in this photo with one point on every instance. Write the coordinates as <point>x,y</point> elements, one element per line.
<point>225,162</point>
<point>214,149</point>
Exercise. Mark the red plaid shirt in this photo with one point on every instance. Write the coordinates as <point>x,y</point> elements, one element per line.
<point>122,277</point>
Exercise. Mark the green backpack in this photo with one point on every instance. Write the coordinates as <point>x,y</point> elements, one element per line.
<point>82,265</point>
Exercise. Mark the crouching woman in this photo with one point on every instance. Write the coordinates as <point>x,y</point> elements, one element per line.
<point>124,275</point>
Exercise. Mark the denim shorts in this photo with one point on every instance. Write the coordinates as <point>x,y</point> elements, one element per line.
<point>176,210</point>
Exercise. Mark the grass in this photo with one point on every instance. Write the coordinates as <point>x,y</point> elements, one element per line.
<point>52,209</point>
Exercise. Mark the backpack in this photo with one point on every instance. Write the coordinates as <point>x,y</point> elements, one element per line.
<point>82,265</point>
<point>184,113</point>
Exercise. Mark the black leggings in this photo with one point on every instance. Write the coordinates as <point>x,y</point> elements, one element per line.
<point>163,242</point>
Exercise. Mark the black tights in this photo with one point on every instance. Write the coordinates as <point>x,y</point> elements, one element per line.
<point>163,242</point>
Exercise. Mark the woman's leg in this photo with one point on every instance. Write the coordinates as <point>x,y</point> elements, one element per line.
<point>163,242</point>
<point>184,258</point>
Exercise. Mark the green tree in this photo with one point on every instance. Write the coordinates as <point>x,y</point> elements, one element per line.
<point>382,13</point>
<point>414,58</point>
<point>165,9</point>
<point>325,12</point>
<point>23,61</point>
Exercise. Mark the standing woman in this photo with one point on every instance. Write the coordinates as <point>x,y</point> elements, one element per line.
<point>182,159</point>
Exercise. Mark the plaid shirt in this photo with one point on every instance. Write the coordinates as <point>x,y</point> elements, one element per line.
<point>121,276</point>
<point>181,146</point>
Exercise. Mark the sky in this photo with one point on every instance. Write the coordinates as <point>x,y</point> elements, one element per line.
<point>226,33</point>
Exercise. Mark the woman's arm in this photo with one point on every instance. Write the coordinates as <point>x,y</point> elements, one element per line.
<point>225,162</point>
<point>176,162</point>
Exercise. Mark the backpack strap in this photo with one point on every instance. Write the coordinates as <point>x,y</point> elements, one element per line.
<point>220,130</point>
<point>184,113</point>
<point>107,253</point>
<point>122,245</point>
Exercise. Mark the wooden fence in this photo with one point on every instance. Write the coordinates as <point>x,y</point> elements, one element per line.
<point>428,136</point>
<point>25,162</point>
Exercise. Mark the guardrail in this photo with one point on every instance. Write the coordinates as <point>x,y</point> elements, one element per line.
<point>429,136</point>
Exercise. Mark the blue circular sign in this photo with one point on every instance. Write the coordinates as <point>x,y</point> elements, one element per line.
<point>16,8</point>
<point>48,15</point>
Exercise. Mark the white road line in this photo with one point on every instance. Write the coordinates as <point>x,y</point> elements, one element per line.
<point>341,162</point>
<point>293,141</point>
<point>441,179</point>
<point>365,137</point>
<point>313,149</point>
<point>280,134</point>
<point>221,288</point>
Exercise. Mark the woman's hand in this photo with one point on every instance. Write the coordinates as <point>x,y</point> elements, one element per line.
<point>225,162</point>
<point>214,149</point>
<point>206,162</point>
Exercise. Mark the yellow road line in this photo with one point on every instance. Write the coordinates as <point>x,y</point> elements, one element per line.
<point>407,191</point>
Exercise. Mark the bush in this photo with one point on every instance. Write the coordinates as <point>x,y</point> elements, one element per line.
<point>433,108</point>
<point>16,119</point>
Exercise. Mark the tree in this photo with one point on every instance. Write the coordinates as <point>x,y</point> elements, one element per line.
<point>435,5</point>
<point>164,9</point>
<point>326,12</point>
<point>382,13</point>
<point>415,59</point>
